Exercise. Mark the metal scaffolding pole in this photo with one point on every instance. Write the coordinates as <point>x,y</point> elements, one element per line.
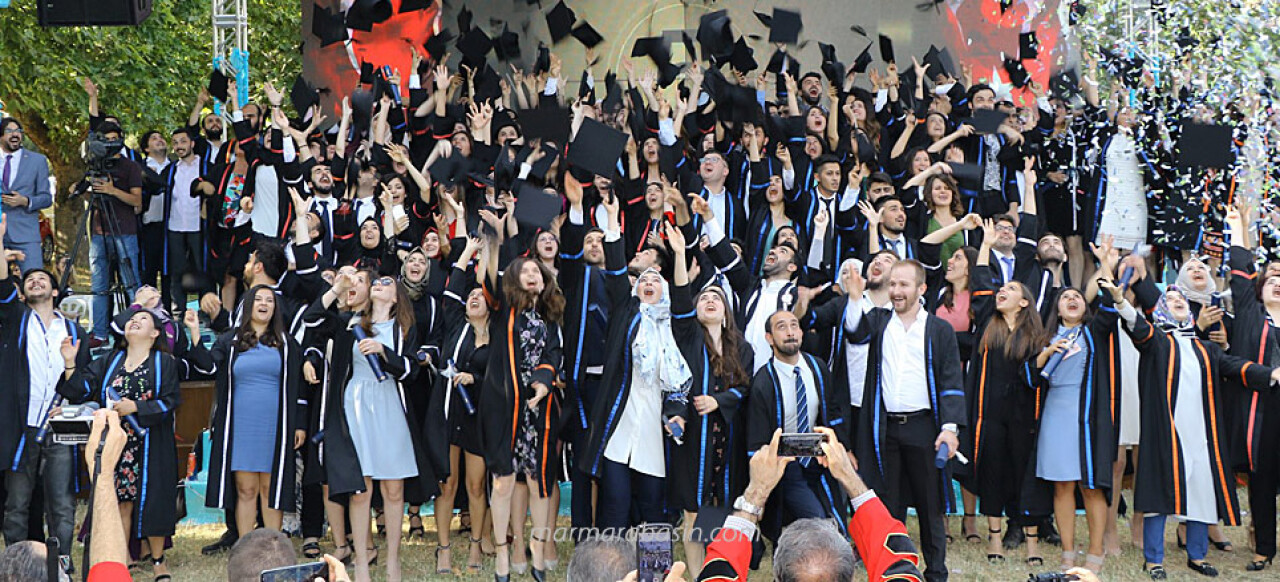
<point>231,42</point>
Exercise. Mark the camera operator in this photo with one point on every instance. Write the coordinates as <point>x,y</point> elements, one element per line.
<point>24,190</point>
<point>118,198</point>
<point>37,330</point>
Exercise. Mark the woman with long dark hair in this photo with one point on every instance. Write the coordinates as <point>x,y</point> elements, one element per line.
<point>371,429</point>
<point>140,381</point>
<point>453,431</point>
<point>521,421</point>
<point>1002,400</point>
<point>256,421</point>
<point>713,456</point>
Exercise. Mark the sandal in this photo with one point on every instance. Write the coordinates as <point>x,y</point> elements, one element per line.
<point>473,567</point>
<point>346,556</point>
<point>971,536</point>
<point>1068,560</point>
<point>1033,560</point>
<point>1258,565</point>
<point>994,558</point>
<point>1093,563</point>
<point>162,577</point>
<point>496,576</point>
<point>1223,546</point>
<point>416,530</point>
<point>380,522</point>
<point>440,570</point>
<point>311,549</point>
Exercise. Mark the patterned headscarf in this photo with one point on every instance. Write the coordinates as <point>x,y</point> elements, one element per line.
<point>1165,319</point>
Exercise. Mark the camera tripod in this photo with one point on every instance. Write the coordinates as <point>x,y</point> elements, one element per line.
<point>119,263</point>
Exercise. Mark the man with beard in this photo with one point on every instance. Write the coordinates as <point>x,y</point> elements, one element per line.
<point>886,229</point>
<point>184,237</point>
<point>775,291</point>
<point>913,403</point>
<point>810,91</point>
<point>826,198</point>
<point>34,333</point>
<point>207,133</point>
<point>793,392</point>
<point>151,227</point>
<point>325,206</point>
<point>24,191</point>
<point>727,207</point>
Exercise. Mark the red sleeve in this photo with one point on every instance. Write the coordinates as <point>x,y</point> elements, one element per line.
<point>728,557</point>
<point>109,572</point>
<point>883,543</point>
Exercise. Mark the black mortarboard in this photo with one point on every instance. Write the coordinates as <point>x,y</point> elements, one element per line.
<point>487,83</point>
<point>690,51</point>
<point>536,208</point>
<point>715,36</point>
<point>597,148</point>
<point>1017,73</point>
<point>361,109</point>
<point>328,26</point>
<point>864,60</point>
<point>412,5</point>
<point>965,172</point>
<point>549,124</point>
<point>447,170</point>
<point>764,19</point>
<point>743,57</point>
<point>986,120</point>
<point>937,65</point>
<point>475,47</point>
<point>613,92</point>
<point>585,88</point>
<point>1184,39</point>
<point>832,68</point>
<point>587,35</point>
<point>551,152</point>
<point>560,21</point>
<point>542,62</point>
<point>366,73</point>
<point>1028,45</point>
<point>886,49</point>
<point>417,97</point>
<point>303,97</point>
<point>1206,146</point>
<point>646,46</point>
<point>1065,85</point>
<point>438,44</point>
<point>508,45</point>
<point>777,61</point>
<point>218,85</point>
<point>363,14</point>
<point>786,26</point>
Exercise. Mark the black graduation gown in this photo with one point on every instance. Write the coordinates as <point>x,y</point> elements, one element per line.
<point>1160,486</point>
<point>504,398</point>
<point>447,421</point>
<point>1099,412</point>
<point>1255,338</point>
<point>292,412</point>
<point>337,452</point>
<point>155,512</point>
<point>585,326</point>
<point>692,485</point>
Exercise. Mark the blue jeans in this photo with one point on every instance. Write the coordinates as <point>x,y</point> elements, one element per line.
<point>123,246</point>
<point>53,467</point>
<point>621,489</point>
<point>1153,539</point>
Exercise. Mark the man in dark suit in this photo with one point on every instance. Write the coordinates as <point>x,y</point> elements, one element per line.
<point>24,190</point>
<point>913,403</point>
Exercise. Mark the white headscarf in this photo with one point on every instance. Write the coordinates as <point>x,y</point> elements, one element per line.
<point>655,356</point>
<point>1202,294</point>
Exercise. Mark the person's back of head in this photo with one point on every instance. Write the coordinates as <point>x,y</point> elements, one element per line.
<point>262,549</point>
<point>26,562</point>
<point>812,550</point>
<point>601,558</point>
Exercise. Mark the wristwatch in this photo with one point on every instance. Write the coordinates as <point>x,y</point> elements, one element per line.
<point>741,504</point>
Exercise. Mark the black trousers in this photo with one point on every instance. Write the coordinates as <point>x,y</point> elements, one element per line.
<point>151,247</point>
<point>907,457</point>
<point>1006,454</point>
<point>185,256</point>
<point>1263,483</point>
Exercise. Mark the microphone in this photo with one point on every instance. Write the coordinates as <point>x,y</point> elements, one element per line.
<point>373,360</point>
<point>114,396</point>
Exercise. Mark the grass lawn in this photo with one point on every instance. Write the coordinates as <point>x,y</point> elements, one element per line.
<point>967,560</point>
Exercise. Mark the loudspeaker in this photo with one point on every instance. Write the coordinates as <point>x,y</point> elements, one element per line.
<point>93,12</point>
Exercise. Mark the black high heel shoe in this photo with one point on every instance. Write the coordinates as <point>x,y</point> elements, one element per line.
<point>1034,560</point>
<point>496,576</point>
<point>1258,565</point>
<point>970,536</point>
<point>417,530</point>
<point>994,558</point>
<point>1203,568</point>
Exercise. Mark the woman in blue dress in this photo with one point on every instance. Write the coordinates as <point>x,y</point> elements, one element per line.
<point>257,421</point>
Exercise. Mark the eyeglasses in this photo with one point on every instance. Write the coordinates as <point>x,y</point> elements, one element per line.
<point>383,282</point>
<point>9,130</point>
<point>1005,228</point>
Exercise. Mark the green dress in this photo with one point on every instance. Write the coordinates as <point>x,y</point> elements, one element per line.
<point>949,246</point>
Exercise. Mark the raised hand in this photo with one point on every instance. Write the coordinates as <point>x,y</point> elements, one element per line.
<point>675,238</point>
<point>69,350</point>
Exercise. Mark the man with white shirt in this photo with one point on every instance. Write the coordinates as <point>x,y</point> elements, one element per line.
<point>728,209</point>
<point>913,404</point>
<point>35,332</point>
<point>793,392</point>
<point>24,191</point>
<point>184,250</point>
<point>325,206</point>
<point>1014,251</point>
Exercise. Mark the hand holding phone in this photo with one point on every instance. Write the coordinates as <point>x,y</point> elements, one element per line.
<point>801,444</point>
<point>300,573</point>
<point>654,555</point>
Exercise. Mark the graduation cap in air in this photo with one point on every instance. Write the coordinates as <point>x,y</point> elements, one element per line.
<point>863,61</point>
<point>765,19</point>
<point>832,68</point>
<point>1028,46</point>
<point>560,21</point>
<point>303,97</point>
<point>613,92</point>
<point>366,73</point>
<point>587,35</point>
<point>1207,146</point>
<point>438,44</point>
<point>886,49</point>
<point>507,46</point>
<point>218,84</point>
<point>542,62</point>
<point>475,47</point>
<point>986,121</point>
<point>780,61</point>
<point>448,170</point>
<point>361,109</point>
<point>549,124</point>
<point>597,148</point>
<point>1065,85</point>
<point>363,14</point>
<point>655,47</point>
<point>785,26</point>
<point>535,207</point>
<point>743,59</point>
<point>939,62</point>
<point>488,84</point>
<point>966,172</point>
<point>328,26</point>
<point>715,36</point>
<point>586,88</point>
<point>1018,75</point>
<point>1184,39</point>
<point>464,18</point>
<point>413,5</point>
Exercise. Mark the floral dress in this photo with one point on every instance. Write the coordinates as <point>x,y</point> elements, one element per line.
<point>532,340</point>
<point>134,385</point>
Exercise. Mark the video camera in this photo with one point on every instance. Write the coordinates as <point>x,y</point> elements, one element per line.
<point>100,155</point>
